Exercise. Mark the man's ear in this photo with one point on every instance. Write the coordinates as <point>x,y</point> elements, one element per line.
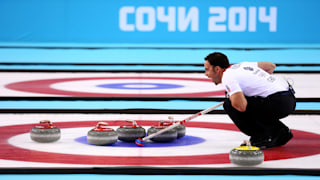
<point>218,68</point>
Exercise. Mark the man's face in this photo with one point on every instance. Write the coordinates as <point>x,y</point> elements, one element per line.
<point>212,72</point>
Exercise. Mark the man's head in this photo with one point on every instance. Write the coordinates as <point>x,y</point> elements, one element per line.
<point>215,64</point>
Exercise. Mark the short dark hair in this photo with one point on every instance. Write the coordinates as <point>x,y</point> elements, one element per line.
<point>218,59</point>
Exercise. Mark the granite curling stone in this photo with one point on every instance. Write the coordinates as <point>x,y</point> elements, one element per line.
<point>45,132</point>
<point>181,129</point>
<point>246,155</point>
<point>102,135</point>
<point>166,136</point>
<point>129,133</point>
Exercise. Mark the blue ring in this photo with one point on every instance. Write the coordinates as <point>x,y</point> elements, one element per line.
<point>183,141</point>
<point>154,86</point>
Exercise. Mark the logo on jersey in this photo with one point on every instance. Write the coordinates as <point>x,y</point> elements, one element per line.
<point>248,68</point>
<point>228,89</point>
<point>235,66</point>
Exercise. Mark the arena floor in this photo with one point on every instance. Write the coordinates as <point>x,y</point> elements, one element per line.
<point>76,100</point>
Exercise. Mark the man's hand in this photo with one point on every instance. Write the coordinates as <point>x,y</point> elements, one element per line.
<point>267,66</point>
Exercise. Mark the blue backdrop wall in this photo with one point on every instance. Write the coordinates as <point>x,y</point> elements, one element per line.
<point>160,21</point>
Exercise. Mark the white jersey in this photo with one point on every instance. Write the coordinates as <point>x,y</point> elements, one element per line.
<point>248,78</point>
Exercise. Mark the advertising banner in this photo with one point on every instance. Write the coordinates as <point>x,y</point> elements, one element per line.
<point>155,21</point>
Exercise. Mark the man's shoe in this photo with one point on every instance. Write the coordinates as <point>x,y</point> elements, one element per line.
<point>264,143</point>
<point>280,139</point>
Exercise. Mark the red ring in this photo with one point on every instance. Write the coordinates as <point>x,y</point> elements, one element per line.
<point>303,144</point>
<point>43,87</point>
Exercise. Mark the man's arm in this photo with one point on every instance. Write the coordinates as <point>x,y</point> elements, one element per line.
<point>238,101</point>
<point>267,66</point>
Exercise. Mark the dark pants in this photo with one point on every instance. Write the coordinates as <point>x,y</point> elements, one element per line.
<point>262,116</point>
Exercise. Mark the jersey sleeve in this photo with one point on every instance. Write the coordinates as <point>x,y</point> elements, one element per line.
<point>231,84</point>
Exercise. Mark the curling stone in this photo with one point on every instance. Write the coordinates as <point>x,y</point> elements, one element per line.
<point>166,136</point>
<point>129,133</point>
<point>181,129</point>
<point>102,135</point>
<point>246,155</point>
<point>45,132</point>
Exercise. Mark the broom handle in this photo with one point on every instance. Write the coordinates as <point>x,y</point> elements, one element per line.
<point>182,121</point>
